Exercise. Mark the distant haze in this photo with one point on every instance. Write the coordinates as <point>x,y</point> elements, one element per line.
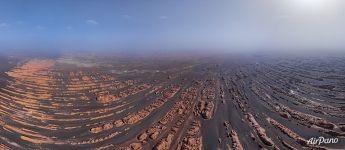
<point>204,25</point>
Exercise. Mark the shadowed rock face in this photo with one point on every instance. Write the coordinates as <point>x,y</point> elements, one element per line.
<point>172,103</point>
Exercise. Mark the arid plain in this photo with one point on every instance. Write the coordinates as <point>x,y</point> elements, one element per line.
<point>134,103</point>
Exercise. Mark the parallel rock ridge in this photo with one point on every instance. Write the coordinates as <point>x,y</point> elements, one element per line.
<point>194,104</point>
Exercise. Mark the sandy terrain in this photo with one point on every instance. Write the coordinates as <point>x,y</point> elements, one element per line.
<point>151,103</point>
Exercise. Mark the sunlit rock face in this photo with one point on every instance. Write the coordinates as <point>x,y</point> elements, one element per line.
<point>172,103</point>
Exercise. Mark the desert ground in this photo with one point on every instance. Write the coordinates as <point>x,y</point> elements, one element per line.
<point>134,103</point>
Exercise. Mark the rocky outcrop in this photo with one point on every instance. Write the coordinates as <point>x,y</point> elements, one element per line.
<point>288,132</point>
<point>131,91</point>
<point>193,140</point>
<point>136,146</point>
<point>206,109</point>
<point>236,144</point>
<point>165,143</point>
<point>96,130</point>
<point>142,136</point>
<point>260,131</point>
<point>118,123</point>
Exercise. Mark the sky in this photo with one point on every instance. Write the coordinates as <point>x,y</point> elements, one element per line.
<point>139,25</point>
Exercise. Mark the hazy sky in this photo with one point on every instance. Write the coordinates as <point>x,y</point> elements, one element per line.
<point>172,24</point>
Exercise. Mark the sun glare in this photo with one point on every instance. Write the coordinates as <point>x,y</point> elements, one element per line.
<point>315,5</point>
